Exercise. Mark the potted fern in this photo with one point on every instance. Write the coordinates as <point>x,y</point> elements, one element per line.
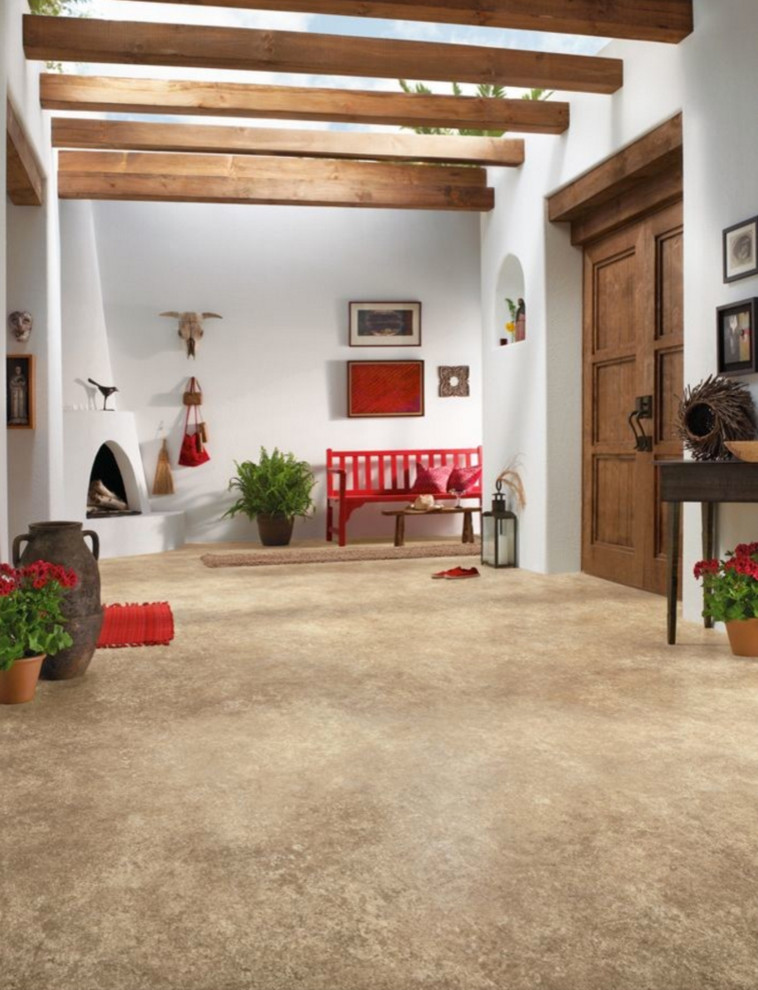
<point>273,492</point>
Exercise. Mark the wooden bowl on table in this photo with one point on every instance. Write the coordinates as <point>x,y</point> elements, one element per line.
<point>743,450</point>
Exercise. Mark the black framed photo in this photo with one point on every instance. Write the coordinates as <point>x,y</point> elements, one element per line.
<point>19,391</point>
<point>741,250</point>
<point>736,337</point>
<point>385,324</point>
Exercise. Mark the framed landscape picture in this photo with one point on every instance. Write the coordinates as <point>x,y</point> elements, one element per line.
<point>19,391</point>
<point>741,250</point>
<point>385,388</point>
<point>735,326</point>
<point>385,324</point>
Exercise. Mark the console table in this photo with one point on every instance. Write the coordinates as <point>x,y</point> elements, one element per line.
<point>707,482</point>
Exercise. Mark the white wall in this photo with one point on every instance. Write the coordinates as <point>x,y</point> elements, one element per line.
<point>4,33</point>
<point>34,457</point>
<point>273,370</point>
<point>533,390</point>
<point>86,353</point>
<point>720,189</point>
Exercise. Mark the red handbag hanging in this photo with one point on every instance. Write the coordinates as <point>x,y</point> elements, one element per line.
<point>193,452</point>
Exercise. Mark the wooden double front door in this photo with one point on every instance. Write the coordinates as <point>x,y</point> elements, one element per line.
<point>633,350</point>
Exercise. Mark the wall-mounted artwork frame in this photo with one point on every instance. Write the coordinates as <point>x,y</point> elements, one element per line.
<point>453,380</point>
<point>385,324</point>
<point>385,388</point>
<point>741,250</point>
<point>19,391</point>
<point>735,328</point>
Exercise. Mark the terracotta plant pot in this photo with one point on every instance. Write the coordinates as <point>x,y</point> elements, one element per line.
<point>743,637</point>
<point>18,684</point>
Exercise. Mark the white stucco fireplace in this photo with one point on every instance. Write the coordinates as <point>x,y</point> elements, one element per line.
<point>84,433</point>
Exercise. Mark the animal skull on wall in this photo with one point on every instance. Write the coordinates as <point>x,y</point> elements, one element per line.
<point>191,327</point>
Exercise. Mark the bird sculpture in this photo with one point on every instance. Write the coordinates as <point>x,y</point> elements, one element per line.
<point>191,327</point>
<point>106,391</point>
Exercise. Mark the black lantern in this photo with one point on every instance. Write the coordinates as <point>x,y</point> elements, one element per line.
<point>499,532</point>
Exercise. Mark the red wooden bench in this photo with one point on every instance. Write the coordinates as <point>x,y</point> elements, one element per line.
<point>355,477</point>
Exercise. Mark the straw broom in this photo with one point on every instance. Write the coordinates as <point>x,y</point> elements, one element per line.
<point>163,483</point>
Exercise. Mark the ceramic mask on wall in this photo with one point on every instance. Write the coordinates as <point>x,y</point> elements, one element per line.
<point>20,325</point>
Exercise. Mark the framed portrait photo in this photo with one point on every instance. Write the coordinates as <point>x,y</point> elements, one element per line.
<point>736,337</point>
<point>741,250</point>
<point>385,324</point>
<point>385,388</point>
<point>19,391</point>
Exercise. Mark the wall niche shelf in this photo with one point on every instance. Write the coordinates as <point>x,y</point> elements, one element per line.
<point>510,317</point>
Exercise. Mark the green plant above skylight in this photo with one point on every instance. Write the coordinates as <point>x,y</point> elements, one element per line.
<point>489,91</point>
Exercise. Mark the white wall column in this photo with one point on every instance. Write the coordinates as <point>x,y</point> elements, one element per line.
<point>4,35</point>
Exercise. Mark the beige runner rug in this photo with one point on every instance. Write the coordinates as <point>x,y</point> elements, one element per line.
<point>330,554</point>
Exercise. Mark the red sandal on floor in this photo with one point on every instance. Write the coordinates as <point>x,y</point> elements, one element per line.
<point>457,572</point>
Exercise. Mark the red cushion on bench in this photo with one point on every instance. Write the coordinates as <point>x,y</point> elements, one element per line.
<point>431,480</point>
<point>463,478</point>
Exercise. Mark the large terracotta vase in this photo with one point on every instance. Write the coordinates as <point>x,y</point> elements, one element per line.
<point>19,684</point>
<point>743,637</point>
<point>64,543</point>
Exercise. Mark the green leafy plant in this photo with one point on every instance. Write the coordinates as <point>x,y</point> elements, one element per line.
<point>59,8</point>
<point>31,620</point>
<point>277,485</point>
<point>486,90</point>
<point>730,586</point>
<point>54,8</point>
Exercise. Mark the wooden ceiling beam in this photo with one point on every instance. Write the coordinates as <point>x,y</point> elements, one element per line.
<point>114,135</point>
<point>236,179</point>
<point>642,20</point>
<point>274,192</point>
<point>81,39</point>
<point>25,180</point>
<point>265,167</point>
<point>115,94</point>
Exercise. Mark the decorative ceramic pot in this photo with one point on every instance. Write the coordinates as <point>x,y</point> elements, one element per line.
<point>63,543</point>
<point>743,637</point>
<point>18,684</point>
<point>275,530</point>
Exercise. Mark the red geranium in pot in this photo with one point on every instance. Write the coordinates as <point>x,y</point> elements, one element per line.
<point>730,595</point>
<point>31,624</point>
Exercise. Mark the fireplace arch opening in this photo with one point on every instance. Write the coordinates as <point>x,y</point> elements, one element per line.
<point>112,489</point>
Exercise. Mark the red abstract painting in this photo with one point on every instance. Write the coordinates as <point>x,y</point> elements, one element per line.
<point>385,388</point>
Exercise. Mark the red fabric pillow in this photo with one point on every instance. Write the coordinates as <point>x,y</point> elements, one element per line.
<point>463,478</point>
<point>431,480</point>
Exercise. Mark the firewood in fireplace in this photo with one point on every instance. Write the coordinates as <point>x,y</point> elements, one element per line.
<point>100,497</point>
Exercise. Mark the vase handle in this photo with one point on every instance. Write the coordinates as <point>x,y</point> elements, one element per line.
<point>17,547</point>
<point>95,542</point>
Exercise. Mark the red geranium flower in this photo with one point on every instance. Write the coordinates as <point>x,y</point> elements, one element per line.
<point>730,586</point>
<point>31,617</point>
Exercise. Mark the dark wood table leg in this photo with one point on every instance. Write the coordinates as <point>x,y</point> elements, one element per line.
<point>400,529</point>
<point>672,568</point>
<point>468,526</point>
<point>708,518</point>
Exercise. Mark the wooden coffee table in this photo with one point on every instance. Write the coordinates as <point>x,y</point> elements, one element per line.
<point>401,514</point>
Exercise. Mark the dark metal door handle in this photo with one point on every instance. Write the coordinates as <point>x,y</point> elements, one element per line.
<point>642,442</point>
